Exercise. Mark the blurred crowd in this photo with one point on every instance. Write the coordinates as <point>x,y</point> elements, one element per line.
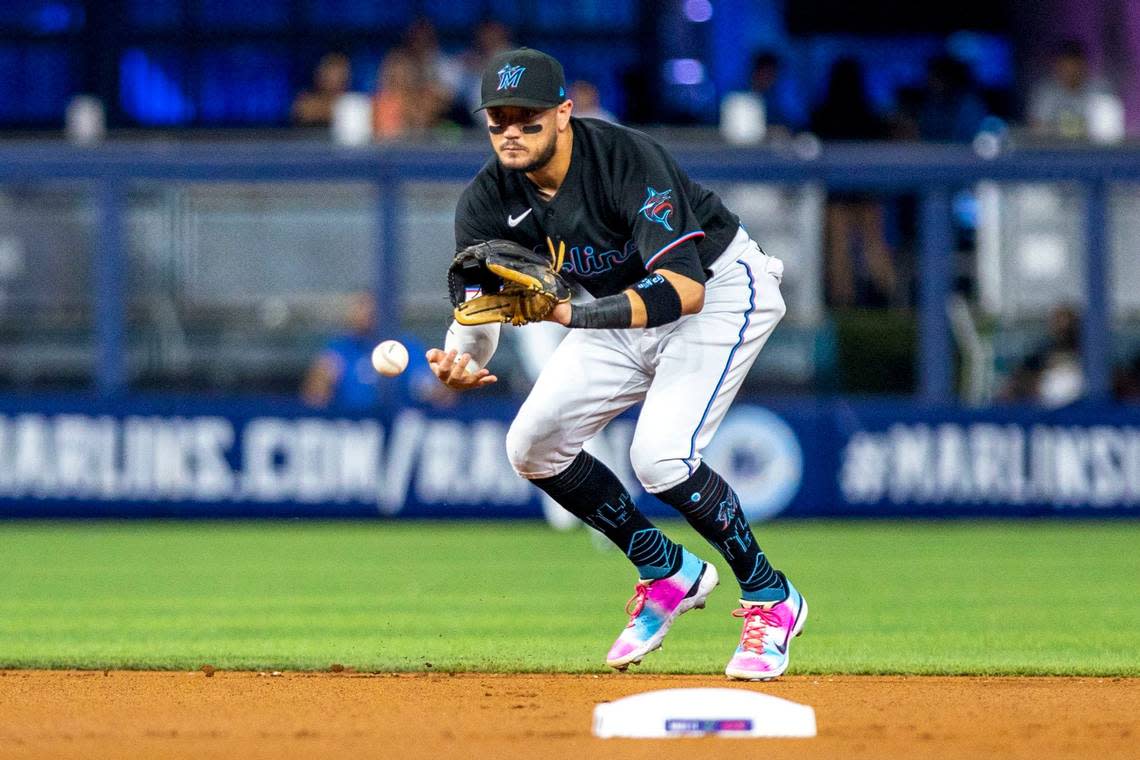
<point>419,87</point>
<point>869,239</point>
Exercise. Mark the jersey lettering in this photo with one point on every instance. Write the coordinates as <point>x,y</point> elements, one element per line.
<point>586,261</point>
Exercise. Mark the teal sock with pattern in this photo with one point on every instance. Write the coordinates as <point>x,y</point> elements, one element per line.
<point>591,492</point>
<point>712,508</point>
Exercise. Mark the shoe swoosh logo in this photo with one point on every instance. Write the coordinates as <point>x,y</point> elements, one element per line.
<point>514,220</point>
<point>783,649</point>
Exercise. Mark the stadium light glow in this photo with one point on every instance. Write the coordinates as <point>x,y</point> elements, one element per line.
<point>698,11</point>
<point>686,71</point>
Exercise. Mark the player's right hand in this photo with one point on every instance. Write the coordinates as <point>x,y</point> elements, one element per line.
<point>452,371</point>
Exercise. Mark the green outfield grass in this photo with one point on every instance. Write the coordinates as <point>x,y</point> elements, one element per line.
<point>981,598</point>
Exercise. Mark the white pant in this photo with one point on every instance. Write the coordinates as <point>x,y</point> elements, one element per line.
<point>686,373</point>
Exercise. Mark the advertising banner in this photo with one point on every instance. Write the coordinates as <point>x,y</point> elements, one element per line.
<point>833,458</point>
<point>897,459</point>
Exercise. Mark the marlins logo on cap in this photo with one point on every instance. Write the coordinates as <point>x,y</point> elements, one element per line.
<point>524,77</point>
<point>509,76</point>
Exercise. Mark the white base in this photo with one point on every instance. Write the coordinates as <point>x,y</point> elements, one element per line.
<point>702,712</point>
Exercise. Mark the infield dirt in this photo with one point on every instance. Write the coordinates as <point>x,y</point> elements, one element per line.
<point>117,714</point>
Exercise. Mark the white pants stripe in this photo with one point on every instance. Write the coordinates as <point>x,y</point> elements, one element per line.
<point>686,374</point>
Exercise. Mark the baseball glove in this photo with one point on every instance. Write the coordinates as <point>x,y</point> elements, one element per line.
<point>513,283</point>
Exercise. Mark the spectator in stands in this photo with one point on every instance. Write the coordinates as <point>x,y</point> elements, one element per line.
<point>421,43</point>
<point>342,377</point>
<point>416,87</point>
<point>314,107</point>
<point>950,108</point>
<point>443,73</point>
<point>406,101</point>
<point>587,102</point>
<point>1063,104</point>
<point>491,38</point>
<point>1051,375</point>
<point>763,80</point>
<point>846,114</point>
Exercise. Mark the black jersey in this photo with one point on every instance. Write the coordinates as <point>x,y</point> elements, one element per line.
<point>624,208</point>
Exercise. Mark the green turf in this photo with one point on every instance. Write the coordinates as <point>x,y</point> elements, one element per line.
<point>987,598</point>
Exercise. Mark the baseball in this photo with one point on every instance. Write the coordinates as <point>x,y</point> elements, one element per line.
<point>390,358</point>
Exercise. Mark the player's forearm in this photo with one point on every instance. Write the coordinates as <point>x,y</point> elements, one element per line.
<point>691,292</point>
<point>609,313</point>
<point>658,299</point>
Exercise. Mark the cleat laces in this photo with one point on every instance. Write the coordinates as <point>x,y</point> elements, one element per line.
<point>758,623</point>
<point>636,602</point>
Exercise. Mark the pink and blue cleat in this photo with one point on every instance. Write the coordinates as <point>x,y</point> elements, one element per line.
<point>769,628</point>
<point>656,604</point>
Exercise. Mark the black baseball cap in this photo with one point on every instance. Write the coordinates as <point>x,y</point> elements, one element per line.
<point>523,77</point>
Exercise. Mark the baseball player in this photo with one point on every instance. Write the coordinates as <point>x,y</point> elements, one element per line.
<point>683,301</point>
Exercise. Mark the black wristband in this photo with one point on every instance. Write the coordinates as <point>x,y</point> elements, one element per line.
<point>662,301</point>
<point>611,312</point>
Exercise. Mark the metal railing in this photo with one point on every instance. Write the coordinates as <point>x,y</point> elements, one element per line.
<point>932,172</point>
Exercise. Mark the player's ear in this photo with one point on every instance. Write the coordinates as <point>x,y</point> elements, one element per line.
<point>562,115</point>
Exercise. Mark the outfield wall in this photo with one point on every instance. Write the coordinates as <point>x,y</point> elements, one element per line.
<point>825,458</point>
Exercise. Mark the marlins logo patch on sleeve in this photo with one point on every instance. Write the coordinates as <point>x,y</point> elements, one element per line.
<point>658,207</point>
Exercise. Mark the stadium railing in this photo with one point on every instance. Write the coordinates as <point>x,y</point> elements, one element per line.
<point>934,173</point>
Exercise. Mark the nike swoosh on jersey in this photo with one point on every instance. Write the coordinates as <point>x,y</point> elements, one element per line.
<point>514,220</point>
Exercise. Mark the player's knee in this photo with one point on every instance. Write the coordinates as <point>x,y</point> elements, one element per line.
<point>519,446</point>
<point>529,451</point>
<point>655,469</point>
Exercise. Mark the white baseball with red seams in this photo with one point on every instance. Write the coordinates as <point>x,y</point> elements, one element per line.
<point>390,358</point>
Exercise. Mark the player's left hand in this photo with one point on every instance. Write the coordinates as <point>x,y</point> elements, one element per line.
<point>560,314</point>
